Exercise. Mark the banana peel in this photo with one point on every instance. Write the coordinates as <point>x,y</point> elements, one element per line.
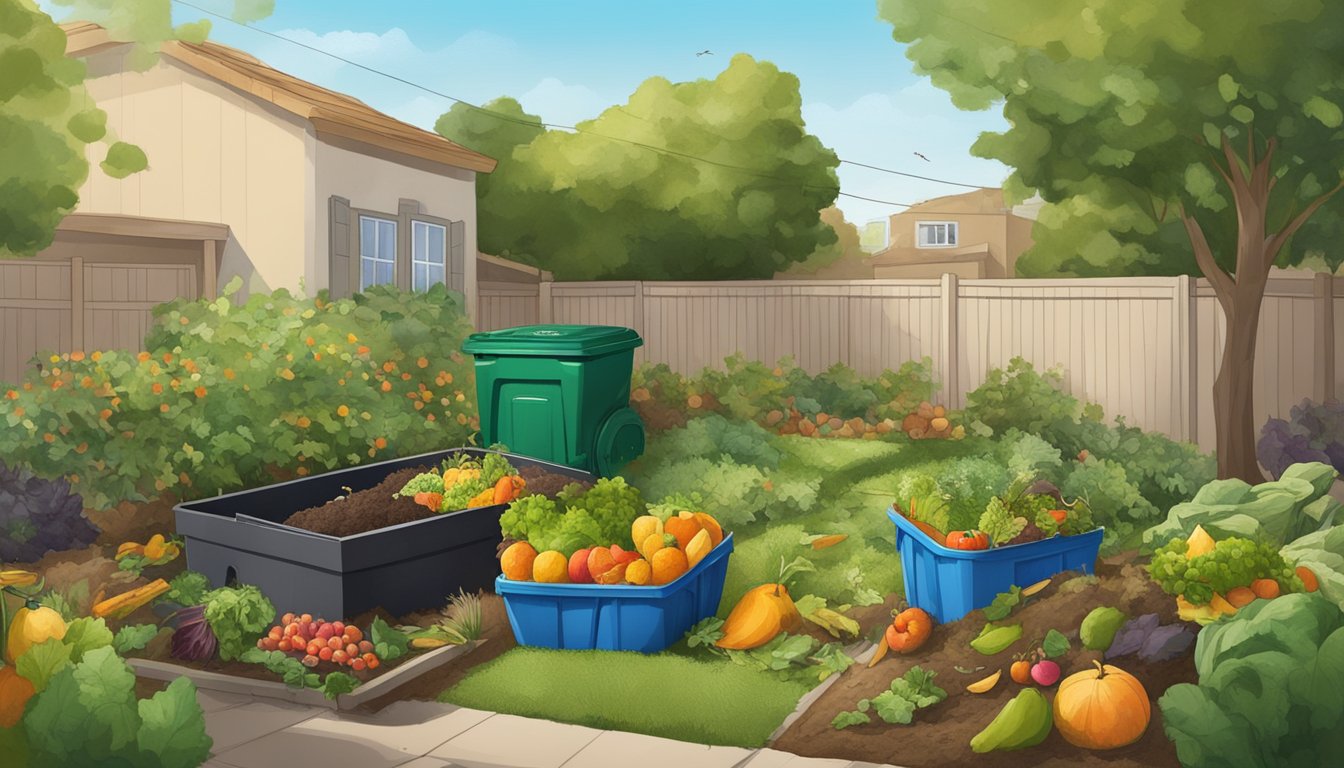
<point>1034,588</point>
<point>834,622</point>
<point>987,684</point>
<point>157,551</point>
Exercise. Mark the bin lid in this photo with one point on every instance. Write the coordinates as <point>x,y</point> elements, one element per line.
<point>553,341</point>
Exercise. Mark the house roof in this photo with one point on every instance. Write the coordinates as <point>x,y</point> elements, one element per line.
<point>977,201</point>
<point>906,256</point>
<point>142,226</point>
<point>329,112</point>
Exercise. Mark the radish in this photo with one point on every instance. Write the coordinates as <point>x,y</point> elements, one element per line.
<point>1045,672</point>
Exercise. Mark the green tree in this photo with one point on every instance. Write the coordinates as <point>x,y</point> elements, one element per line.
<point>47,118</point>
<point>846,248</point>
<point>597,205</point>
<point>1208,128</point>
<point>496,130</point>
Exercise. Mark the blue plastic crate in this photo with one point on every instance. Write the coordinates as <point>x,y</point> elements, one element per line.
<point>615,617</point>
<point>950,583</point>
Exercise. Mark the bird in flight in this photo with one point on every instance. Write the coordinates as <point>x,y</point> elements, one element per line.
<point>705,53</point>
<point>921,157</point>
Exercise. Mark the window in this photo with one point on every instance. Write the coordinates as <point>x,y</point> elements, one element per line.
<point>377,251</point>
<point>428,254</point>
<point>936,234</point>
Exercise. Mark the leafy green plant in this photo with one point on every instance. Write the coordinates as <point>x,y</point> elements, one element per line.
<point>1234,562</point>
<point>389,643</point>
<point>576,518</point>
<point>237,616</point>
<point>897,705</point>
<point>88,715</point>
<point>187,588</point>
<point>230,396</point>
<point>133,637</point>
<point>1269,682</point>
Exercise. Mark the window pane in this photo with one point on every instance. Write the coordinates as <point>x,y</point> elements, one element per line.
<point>384,272</point>
<point>419,279</point>
<point>366,275</point>
<point>366,236</point>
<point>436,250</point>
<point>435,274</point>
<point>428,243</point>
<point>387,240</point>
<point>951,234</point>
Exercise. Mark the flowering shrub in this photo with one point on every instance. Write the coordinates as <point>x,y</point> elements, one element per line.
<point>1312,432</point>
<point>228,397</point>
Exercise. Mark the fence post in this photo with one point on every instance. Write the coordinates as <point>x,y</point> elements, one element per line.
<point>1184,363</point>
<point>948,348</point>
<point>77,303</point>
<point>1324,379</point>
<point>544,308</point>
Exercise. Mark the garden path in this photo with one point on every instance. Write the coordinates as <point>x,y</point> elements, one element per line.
<point>255,733</point>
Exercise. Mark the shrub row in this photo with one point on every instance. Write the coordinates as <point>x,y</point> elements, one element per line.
<point>226,396</point>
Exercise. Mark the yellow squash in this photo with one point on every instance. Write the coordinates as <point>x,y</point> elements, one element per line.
<point>761,614</point>
<point>33,624</point>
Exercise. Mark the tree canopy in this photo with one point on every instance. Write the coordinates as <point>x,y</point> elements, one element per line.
<point>625,197</point>
<point>1219,120</point>
<point>1119,112</point>
<point>47,118</point>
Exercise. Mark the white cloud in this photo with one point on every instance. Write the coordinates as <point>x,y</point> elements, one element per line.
<point>886,129</point>
<point>558,102</point>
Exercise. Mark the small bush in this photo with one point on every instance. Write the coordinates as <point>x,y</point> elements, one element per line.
<point>228,397</point>
<point>1312,432</point>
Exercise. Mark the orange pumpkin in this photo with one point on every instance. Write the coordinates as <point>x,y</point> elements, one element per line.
<point>1102,708</point>
<point>15,691</point>
<point>909,630</point>
<point>971,540</point>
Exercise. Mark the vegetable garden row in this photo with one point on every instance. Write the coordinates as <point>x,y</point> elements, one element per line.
<point>1195,619</point>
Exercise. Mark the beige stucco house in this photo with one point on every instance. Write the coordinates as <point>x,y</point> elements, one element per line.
<point>971,235</point>
<point>252,174</point>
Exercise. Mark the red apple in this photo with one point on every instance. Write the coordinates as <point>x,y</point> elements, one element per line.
<point>578,568</point>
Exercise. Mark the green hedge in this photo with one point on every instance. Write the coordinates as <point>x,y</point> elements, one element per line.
<point>228,397</point>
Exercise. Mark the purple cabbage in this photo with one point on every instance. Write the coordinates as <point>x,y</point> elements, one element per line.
<point>1151,640</point>
<point>193,640</point>
<point>38,516</point>
<point>1313,432</point>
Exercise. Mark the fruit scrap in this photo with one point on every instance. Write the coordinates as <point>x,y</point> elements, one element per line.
<point>909,630</point>
<point>834,622</point>
<point>17,578</point>
<point>1025,721</point>
<point>1034,588</point>
<point>881,653</point>
<point>126,603</point>
<point>822,542</point>
<point>986,685</point>
<point>761,614</point>
<point>429,499</point>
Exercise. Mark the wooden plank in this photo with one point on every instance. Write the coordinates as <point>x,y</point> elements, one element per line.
<point>1324,302</point>
<point>77,302</point>
<point>946,364</point>
<point>209,269</point>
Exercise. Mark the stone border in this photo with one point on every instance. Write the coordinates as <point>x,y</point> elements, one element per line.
<point>269,689</point>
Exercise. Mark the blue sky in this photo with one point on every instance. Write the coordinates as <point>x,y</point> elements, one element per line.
<point>567,61</point>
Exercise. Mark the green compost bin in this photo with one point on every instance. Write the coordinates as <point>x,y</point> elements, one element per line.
<point>560,393</point>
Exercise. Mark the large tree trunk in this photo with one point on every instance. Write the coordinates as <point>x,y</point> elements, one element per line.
<point>1240,295</point>
<point>1233,390</point>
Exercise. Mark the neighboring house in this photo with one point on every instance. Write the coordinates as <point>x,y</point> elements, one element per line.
<point>970,235</point>
<point>252,174</point>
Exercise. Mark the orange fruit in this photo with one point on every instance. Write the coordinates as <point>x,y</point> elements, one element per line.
<point>1240,597</point>
<point>684,526</point>
<point>550,567</point>
<point>656,541</point>
<point>639,572</point>
<point>600,560</point>
<point>668,565</point>
<point>614,574</point>
<point>708,522</point>
<point>516,562</point>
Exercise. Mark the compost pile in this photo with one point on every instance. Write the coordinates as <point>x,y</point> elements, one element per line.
<point>378,507</point>
<point>941,734</point>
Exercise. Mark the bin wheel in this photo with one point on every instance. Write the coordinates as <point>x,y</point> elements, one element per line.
<point>620,441</point>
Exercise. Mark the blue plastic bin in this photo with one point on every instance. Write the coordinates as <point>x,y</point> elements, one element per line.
<point>950,583</point>
<point>615,617</point>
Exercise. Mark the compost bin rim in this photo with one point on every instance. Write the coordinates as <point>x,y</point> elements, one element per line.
<point>909,529</point>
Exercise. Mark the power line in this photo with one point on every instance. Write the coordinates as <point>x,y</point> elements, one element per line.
<point>560,126</point>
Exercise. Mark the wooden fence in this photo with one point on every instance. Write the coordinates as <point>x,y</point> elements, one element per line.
<point>1147,349</point>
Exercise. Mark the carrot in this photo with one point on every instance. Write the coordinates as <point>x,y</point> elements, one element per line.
<point>828,541</point>
<point>1309,580</point>
<point>1265,589</point>
<point>882,649</point>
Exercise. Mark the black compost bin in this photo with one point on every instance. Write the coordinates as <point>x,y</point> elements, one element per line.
<point>240,537</point>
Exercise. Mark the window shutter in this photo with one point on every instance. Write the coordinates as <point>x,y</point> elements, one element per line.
<point>457,257</point>
<point>340,240</point>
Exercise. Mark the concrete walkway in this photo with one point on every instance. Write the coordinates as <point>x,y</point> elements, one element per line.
<point>256,733</point>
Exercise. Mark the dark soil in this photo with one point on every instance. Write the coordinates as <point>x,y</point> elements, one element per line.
<point>941,735</point>
<point>378,507</point>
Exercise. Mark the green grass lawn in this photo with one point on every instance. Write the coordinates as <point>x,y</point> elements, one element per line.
<point>708,702</point>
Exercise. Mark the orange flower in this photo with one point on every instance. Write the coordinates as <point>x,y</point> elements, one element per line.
<point>289,358</point>
<point>12,394</point>
<point>156,388</point>
<point>286,374</point>
<point>50,438</point>
<point>429,416</point>
<point>19,412</point>
<point>352,338</point>
<point>190,365</point>
<point>380,443</point>
<point>167,357</point>
<point>57,384</point>
<point>81,448</point>
<point>317,356</point>
<point>116,401</point>
<point>199,392</point>
<point>301,471</point>
<point>418,405</point>
<point>96,356</point>
<point>362,350</point>
<point>27,386</point>
<point>143,357</point>
<point>461,418</point>
<point>423,362</point>
<point>342,411</point>
<point>163,407</point>
<point>76,356</point>
<point>405,377</point>
<point>387,386</point>
<point>340,382</point>
<point>303,422</point>
<point>183,320</point>
<point>389,366</point>
<point>310,341</point>
<point>86,382</point>
<point>229,374</point>
<point>105,414</point>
